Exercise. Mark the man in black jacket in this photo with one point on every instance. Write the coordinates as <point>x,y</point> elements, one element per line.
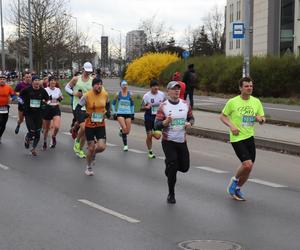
<point>190,80</point>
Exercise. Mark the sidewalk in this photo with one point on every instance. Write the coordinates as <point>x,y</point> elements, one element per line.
<point>273,137</point>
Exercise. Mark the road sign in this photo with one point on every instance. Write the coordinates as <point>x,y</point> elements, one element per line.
<point>238,30</point>
<point>185,54</point>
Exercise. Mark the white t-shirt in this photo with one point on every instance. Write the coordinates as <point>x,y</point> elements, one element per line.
<point>55,94</point>
<point>154,100</point>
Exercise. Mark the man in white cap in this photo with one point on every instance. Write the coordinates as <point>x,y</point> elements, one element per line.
<point>173,117</point>
<point>77,87</point>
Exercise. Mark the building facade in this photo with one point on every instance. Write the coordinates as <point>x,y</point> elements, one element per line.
<point>275,27</point>
<point>135,44</point>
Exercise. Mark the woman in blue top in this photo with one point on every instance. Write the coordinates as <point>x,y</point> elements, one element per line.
<point>124,112</point>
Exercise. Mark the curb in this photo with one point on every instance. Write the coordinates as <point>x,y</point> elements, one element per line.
<point>260,142</point>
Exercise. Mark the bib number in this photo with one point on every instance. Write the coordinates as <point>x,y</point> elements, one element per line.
<point>97,117</point>
<point>178,123</point>
<point>34,103</point>
<point>154,110</point>
<point>248,121</point>
<point>124,106</point>
<point>3,109</point>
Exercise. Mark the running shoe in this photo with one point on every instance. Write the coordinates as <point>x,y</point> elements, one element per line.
<point>151,155</point>
<point>232,186</point>
<point>53,142</point>
<point>89,171</point>
<point>45,146</point>
<point>76,147</point>
<point>125,148</point>
<point>17,129</point>
<point>26,142</point>
<point>239,195</point>
<point>81,154</point>
<point>171,199</point>
<point>33,152</point>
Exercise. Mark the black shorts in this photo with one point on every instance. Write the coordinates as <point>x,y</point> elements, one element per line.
<point>245,149</point>
<point>125,116</point>
<point>80,116</point>
<point>95,133</point>
<point>20,107</point>
<point>149,125</point>
<point>50,112</point>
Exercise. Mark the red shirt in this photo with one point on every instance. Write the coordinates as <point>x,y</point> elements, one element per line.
<point>182,89</point>
<point>5,92</point>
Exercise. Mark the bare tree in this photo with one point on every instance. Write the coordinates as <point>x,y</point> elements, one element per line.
<point>214,25</point>
<point>157,34</point>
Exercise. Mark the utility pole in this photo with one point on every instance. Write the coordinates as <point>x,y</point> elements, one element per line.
<point>30,38</point>
<point>19,36</point>
<point>247,52</point>
<point>2,39</point>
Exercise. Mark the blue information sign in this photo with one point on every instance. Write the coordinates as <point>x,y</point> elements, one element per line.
<point>185,54</point>
<point>238,30</point>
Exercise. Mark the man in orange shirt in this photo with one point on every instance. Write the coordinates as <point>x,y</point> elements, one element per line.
<point>96,102</point>
<point>5,93</point>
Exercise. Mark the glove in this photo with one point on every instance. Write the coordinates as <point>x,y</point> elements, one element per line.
<point>20,100</point>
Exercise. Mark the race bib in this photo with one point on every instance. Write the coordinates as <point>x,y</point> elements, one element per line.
<point>248,121</point>
<point>3,109</point>
<point>178,123</point>
<point>34,103</point>
<point>124,107</point>
<point>154,110</point>
<point>97,117</point>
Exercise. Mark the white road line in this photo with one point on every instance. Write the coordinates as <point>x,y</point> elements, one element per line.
<point>267,183</point>
<point>111,145</point>
<point>108,211</point>
<point>161,157</point>
<point>136,151</point>
<point>290,110</point>
<point>4,167</point>
<point>214,170</point>
<point>66,133</point>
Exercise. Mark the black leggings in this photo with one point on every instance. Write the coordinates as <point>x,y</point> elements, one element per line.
<point>34,125</point>
<point>177,159</point>
<point>190,93</point>
<point>3,121</point>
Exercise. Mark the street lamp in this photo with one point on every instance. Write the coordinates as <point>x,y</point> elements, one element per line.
<point>2,37</point>
<point>30,37</point>
<point>120,50</point>
<point>76,33</point>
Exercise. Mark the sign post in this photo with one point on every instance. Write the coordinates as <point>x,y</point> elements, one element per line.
<point>185,55</point>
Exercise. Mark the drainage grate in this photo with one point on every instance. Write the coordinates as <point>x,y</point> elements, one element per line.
<point>209,245</point>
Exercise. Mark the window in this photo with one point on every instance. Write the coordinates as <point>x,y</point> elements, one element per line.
<point>238,10</point>
<point>231,13</point>
<point>238,43</point>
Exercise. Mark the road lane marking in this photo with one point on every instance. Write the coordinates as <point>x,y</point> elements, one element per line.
<point>66,133</point>
<point>136,151</point>
<point>111,145</point>
<point>109,211</point>
<point>161,157</point>
<point>214,170</point>
<point>290,110</point>
<point>4,167</point>
<point>267,183</point>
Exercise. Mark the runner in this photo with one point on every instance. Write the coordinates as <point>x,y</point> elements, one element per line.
<point>173,117</point>
<point>177,77</point>
<point>77,87</point>
<point>239,114</point>
<point>151,101</point>
<point>33,99</point>
<point>125,112</point>
<point>27,79</point>
<point>97,105</point>
<point>52,112</point>
<point>5,93</point>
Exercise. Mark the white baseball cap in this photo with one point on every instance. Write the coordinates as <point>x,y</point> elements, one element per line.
<point>88,67</point>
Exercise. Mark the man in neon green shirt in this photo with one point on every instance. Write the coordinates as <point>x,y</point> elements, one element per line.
<point>239,114</point>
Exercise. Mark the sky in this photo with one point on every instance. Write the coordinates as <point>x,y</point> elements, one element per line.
<point>126,15</point>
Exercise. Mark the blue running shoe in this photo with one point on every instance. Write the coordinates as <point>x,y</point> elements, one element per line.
<point>239,195</point>
<point>232,186</point>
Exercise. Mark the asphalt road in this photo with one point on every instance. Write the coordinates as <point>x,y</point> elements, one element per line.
<point>48,203</point>
<point>279,112</point>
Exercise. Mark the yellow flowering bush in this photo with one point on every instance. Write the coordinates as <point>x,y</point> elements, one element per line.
<point>148,67</point>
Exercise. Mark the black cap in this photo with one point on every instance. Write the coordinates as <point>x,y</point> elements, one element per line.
<point>35,77</point>
<point>97,81</point>
<point>154,83</point>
